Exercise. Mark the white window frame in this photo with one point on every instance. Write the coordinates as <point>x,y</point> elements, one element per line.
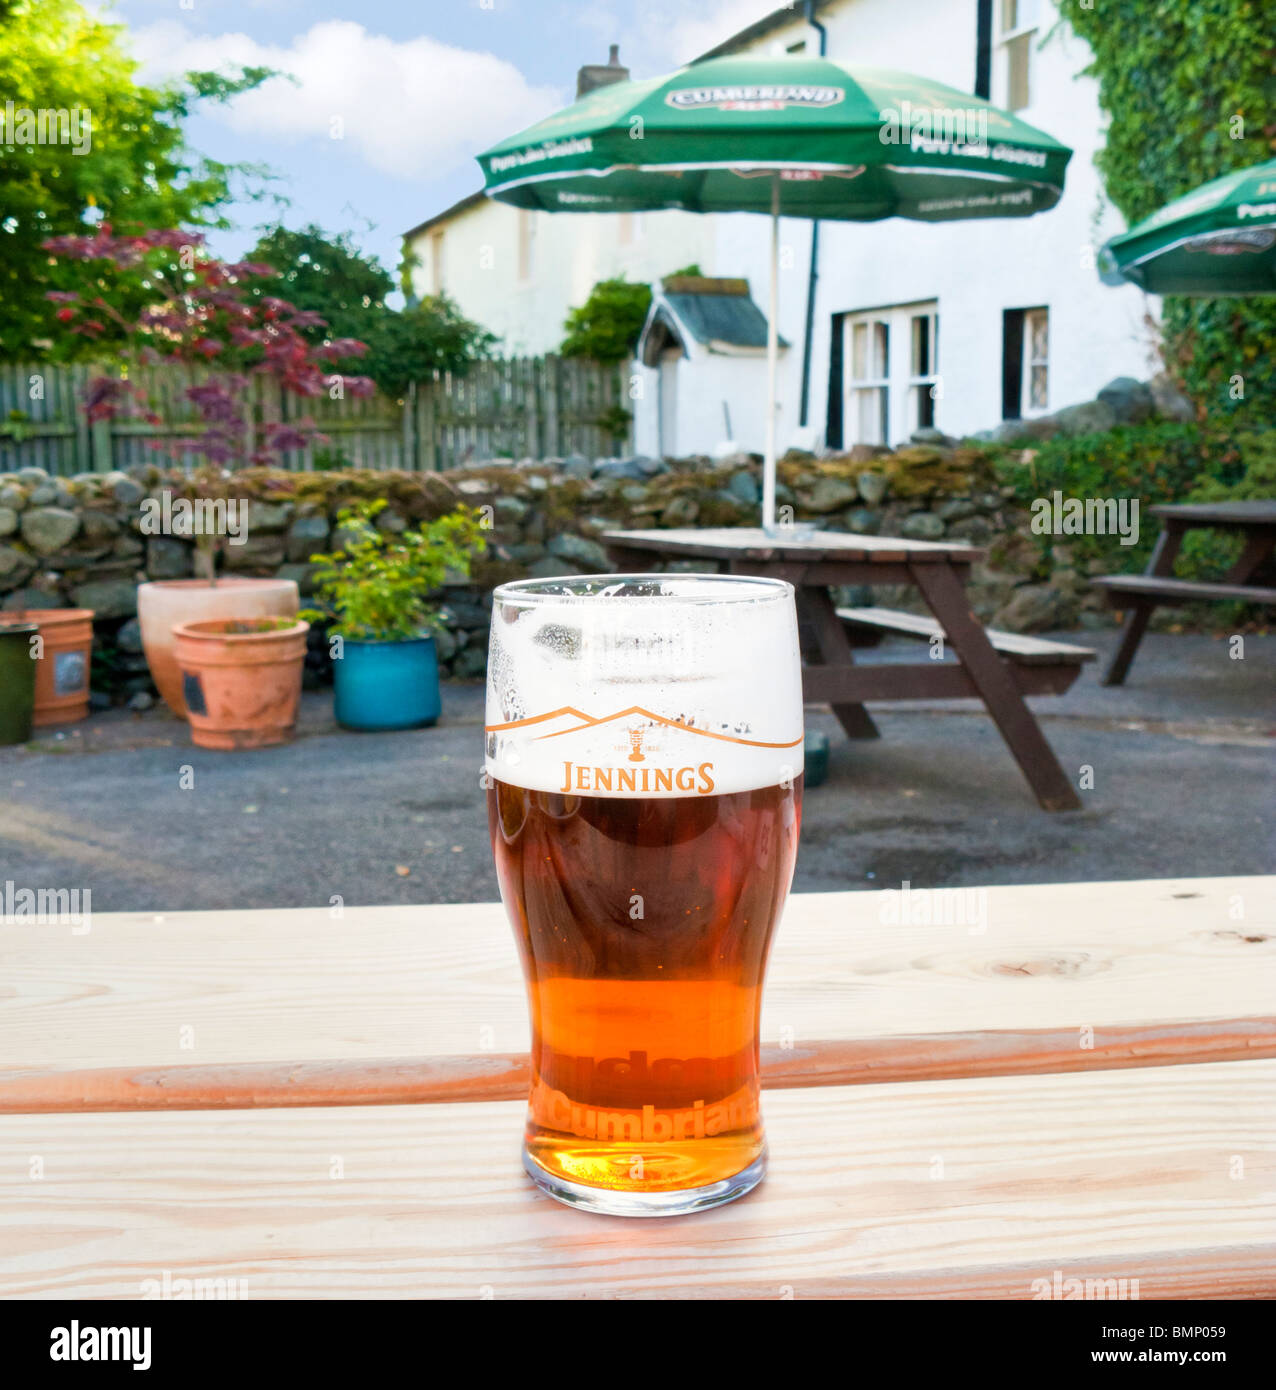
<point>899,386</point>
<point>923,381</point>
<point>872,385</point>
<point>1023,29</point>
<point>1026,408</point>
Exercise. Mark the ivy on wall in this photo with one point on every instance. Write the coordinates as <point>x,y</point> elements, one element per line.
<point>1190,90</point>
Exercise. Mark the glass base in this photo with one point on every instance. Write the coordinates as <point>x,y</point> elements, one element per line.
<point>610,1202</point>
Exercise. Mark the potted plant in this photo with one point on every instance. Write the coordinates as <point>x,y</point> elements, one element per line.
<point>61,665</point>
<point>378,587</point>
<point>241,679</point>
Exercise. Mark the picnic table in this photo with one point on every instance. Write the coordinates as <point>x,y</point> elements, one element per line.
<point>997,668</point>
<point>1139,594</point>
<point>1077,1082</point>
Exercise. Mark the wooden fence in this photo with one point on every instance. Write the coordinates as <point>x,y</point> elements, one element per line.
<point>537,407</point>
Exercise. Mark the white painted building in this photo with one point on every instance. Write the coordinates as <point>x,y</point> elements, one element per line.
<point>959,324</point>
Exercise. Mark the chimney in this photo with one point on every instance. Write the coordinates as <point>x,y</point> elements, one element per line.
<point>594,75</point>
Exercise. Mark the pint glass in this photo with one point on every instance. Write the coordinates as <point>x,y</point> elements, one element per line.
<point>644,775</point>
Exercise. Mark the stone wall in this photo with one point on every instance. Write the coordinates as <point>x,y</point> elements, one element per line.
<point>81,542</point>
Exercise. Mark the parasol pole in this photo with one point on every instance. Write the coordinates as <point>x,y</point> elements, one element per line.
<point>772,354</point>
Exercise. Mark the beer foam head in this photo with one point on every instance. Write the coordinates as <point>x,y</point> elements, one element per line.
<point>644,685</point>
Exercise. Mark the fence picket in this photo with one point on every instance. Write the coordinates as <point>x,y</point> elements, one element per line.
<point>535,407</point>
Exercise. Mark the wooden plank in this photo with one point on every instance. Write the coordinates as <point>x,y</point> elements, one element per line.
<point>1145,587</point>
<point>924,680</point>
<point>1252,512</point>
<point>507,1076</point>
<point>748,542</point>
<point>160,990</point>
<point>945,1187</point>
<point>1021,648</point>
<point>816,607</point>
<point>995,681</point>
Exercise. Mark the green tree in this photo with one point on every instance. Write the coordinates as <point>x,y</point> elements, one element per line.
<point>607,325</point>
<point>133,167</point>
<point>1190,90</point>
<point>327,274</point>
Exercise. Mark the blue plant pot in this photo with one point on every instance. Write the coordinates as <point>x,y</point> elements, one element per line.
<point>387,685</point>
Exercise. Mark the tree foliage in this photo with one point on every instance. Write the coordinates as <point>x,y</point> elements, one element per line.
<point>200,312</point>
<point>1190,89</point>
<point>607,326</point>
<point>135,169</point>
<point>328,275</point>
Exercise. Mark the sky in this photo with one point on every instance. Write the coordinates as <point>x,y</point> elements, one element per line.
<point>386,102</point>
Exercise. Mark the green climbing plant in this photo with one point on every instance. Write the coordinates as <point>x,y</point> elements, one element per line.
<point>1189,87</point>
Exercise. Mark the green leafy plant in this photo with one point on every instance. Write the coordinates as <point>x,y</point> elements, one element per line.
<point>379,584</point>
<point>1190,96</point>
<point>607,325</point>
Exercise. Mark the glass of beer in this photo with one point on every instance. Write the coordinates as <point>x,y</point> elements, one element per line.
<point>644,776</point>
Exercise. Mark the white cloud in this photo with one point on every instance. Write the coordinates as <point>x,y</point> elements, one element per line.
<point>412,108</point>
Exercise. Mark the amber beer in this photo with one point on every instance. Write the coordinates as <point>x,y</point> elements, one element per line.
<point>644,796</point>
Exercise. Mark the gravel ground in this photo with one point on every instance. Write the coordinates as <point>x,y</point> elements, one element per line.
<point>1183,787</point>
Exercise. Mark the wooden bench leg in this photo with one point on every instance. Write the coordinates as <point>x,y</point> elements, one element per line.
<point>819,613</point>
<point>994,681</point>
<point>1137,615</point>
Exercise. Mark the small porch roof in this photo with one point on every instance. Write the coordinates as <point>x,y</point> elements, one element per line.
<point>717,313</point>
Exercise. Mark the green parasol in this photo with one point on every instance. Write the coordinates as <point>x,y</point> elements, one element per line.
<point>1218,240</point>
<point>792,136</point>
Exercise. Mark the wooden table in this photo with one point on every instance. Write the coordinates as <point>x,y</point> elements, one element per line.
<point>1139,594</point>
<point>817,563</point>
<point>1081,1080</point>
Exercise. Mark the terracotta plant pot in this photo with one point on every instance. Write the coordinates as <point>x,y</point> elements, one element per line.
<point>165,602</point>
<point>241,679</point>
<point>62,673</point>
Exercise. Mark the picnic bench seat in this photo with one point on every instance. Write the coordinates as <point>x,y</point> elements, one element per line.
<point>1155,588</point>
<point>1053,666</point>
<point>1139,594</point>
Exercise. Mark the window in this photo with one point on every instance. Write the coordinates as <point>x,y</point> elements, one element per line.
<point>923,373</point>
<point>892,371</point>
<point>436,262</point>
<point>870,393</point>
<point>526,243</point>
<point>1018,30</point>
<point>1025,363</point>
<point>799,47</point>
<point>1036,360</point>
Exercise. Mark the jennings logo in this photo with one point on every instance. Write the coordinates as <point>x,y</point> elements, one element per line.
<point>640,752</point>
<point>762,98</point>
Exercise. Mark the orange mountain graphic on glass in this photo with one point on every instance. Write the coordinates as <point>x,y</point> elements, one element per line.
<point>576,721</point>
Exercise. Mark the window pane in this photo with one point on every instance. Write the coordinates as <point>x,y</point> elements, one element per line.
<point>1038,393</point>
<point>859,351</point>
<point>881,348</point>
<point>921,345</point>
<point>1040,337</point>
<point>1017,72</point>
<point>924,415</point>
